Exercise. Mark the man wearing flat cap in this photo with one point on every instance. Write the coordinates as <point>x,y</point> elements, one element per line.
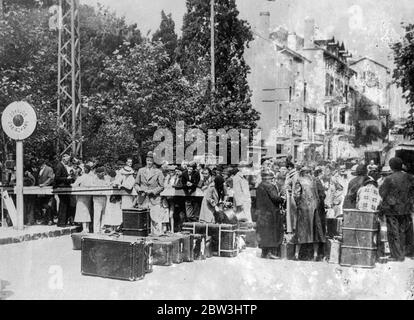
<point>241,193</point>
<point>397,192</point>
<point>269,218</point>
<point>149,184</point>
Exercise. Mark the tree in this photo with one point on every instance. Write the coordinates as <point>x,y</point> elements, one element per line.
<point>28,64</point>
<point>143,88</point>
<point>231,106</point>
<point>404,73</point>
<point>166,34</point>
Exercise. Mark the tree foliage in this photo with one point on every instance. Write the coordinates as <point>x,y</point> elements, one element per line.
<point>231,106</point>
<point>404,73</point>
<point>166,34</point>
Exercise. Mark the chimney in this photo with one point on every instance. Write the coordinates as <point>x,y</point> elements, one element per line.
<point>309,33</point>
<point>264,26</point>
<point>291,41</point>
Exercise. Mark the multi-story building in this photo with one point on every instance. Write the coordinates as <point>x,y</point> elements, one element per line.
<point>301,87</point>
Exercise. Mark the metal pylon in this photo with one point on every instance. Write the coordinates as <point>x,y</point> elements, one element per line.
<point>69,80</point>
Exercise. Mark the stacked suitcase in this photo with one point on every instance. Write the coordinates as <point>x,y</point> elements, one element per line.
<point>136,222</point>
<point>360,233</point>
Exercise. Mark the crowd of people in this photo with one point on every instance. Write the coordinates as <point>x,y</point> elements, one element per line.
<point>290,198</point>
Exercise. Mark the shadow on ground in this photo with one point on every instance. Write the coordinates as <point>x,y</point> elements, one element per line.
<point>4,294</point>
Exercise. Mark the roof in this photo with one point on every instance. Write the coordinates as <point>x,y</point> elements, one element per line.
<point>370,59</point>
<point>292,52</point>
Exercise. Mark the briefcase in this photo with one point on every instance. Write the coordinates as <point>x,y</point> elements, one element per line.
<point>177,246</point>
<point>115,258</point>
<point>199,246</point>
<point>162,252</point>
<point>136,222</point>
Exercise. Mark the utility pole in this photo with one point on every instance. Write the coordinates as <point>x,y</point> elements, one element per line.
<point>213,71</point>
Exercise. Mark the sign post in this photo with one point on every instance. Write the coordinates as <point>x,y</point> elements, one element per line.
<point>19,122</point>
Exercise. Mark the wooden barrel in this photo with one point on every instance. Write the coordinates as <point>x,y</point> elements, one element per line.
<point>360,233</point>
<point>136,222</point>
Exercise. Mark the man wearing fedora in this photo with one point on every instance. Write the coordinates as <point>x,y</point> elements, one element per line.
<point>269,218</point>
<point>397,192</point>
<point>149,184</point>
<point>354,186</point>
<point>241,193</point>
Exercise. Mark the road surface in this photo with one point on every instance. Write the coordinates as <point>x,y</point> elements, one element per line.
<point>50,269</point>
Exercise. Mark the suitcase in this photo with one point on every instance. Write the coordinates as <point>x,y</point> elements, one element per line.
<point>199,246</point>
<point>136,222</point>
<point>115,258</point>
<point>334,227</point>
<point>287,251</point>
<point>359,247</point>
<point>147,250</point>
<point>246,225</point>
<point>360,219</point>
<point>333,251</point>
<point>208,250</point>
<point>188,249</point>
<point>77,239</point>
<point>162,252</point>
<point>358,257</point>
<point>223,236</point>
<point>177,246</point>
<point>249,236</point>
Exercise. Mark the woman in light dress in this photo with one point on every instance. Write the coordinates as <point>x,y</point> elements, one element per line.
<point>84,203</point>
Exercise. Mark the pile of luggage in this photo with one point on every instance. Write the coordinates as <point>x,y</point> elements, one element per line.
<point>130,255</point>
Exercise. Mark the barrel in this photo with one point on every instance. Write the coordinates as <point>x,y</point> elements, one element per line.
<point>360,234</point>
<point>136,222</point>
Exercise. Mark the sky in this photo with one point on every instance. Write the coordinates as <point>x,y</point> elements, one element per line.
<point>366,26</point>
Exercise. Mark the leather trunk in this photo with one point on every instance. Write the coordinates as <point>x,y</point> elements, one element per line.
<point>223,236</point>
<point>115,258</point>
<point>136,222</point>
<point>357,257</point>
<point>162,252</point>
<point>177,248</point>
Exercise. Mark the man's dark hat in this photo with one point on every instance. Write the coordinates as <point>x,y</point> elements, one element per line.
<point>361,170</point>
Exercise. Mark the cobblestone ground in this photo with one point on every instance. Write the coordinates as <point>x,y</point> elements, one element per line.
<point>30,270</point>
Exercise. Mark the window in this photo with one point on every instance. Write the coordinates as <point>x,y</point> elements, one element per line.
<point>327,84</point>
<point>304,92</point>
<point>279,148</point>
<point>342,116</point>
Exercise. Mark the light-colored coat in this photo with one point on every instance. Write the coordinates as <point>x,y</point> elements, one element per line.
<point>241,197</point>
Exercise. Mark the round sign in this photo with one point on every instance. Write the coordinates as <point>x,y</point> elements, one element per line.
<point>19,120</point>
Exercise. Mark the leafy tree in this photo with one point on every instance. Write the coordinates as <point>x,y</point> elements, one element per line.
<point>404,73</point>
<point>166,34</point>
<point>231,106</point>
<point>145,89</point>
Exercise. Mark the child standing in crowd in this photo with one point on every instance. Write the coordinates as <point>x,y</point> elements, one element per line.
<point>126,182</point>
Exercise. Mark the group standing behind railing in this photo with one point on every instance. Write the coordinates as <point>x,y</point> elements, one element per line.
<point>293,198</point>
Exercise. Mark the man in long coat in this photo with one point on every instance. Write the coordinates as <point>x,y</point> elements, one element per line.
<point>397,192</point>
<point>149,184</point>
<point>269,219</point>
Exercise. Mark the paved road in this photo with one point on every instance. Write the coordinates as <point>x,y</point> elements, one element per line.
<point>31,270</point>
